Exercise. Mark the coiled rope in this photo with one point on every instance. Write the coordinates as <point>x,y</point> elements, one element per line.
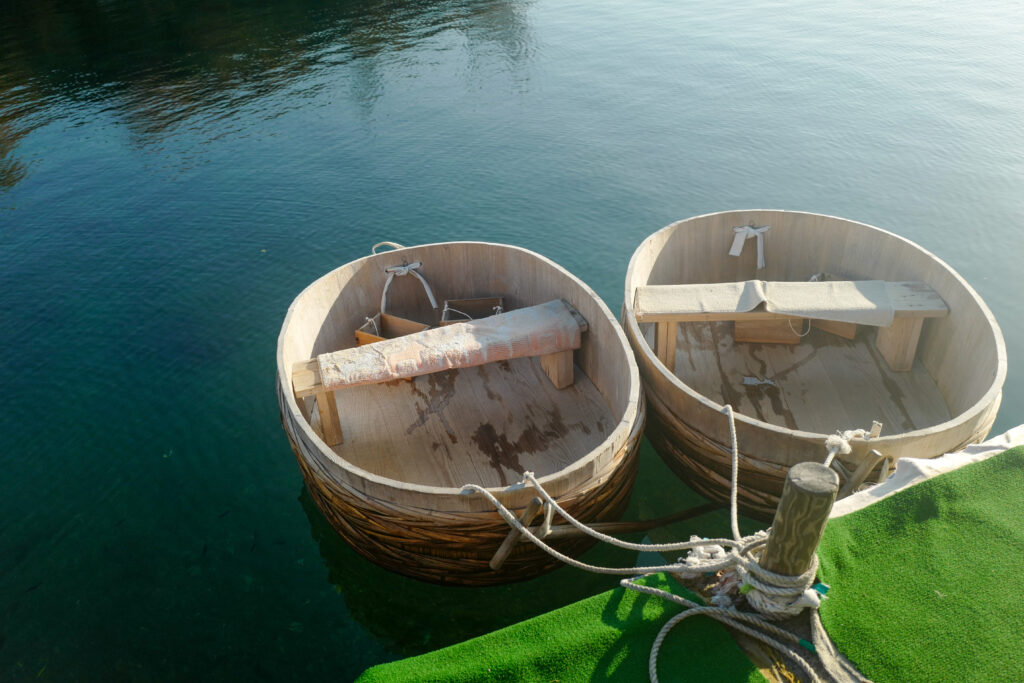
<point>774,596</point>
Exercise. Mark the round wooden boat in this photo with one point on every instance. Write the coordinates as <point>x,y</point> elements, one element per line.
<point>392,488</point>
<point>789,397</point>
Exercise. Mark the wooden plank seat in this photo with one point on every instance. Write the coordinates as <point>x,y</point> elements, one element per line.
<point>551,331</point>
<point>898,309</point>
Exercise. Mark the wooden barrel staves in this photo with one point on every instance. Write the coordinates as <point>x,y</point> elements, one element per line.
<point>387,470</point>
<point>933,377</point>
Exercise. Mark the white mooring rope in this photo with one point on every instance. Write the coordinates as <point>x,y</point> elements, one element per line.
<point>773,596</point>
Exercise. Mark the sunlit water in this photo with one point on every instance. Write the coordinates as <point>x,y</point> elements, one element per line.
<point>172,174</point>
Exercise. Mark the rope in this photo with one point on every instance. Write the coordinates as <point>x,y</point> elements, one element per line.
<point>455,310</point>
<point>773,596</point>
<point>496,310</point>
<point>401,271</point>
<point>730,617</point>
<point>839,443</point>
<point>514,522</point>
<point>385,243</point>
<point>799,334</point>
<point>734,484</point>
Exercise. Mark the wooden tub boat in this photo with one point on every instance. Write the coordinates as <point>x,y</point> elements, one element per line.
<point>386,457</point>
<point>932,376</point>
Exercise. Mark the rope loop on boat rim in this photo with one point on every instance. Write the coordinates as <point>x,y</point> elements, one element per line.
<point>386,243</point>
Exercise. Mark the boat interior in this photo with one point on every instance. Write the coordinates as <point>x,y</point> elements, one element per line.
<point>820,380</point>
<point>485,424</point>
<point>822,384</point>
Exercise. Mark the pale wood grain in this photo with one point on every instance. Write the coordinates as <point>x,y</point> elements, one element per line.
<point>658,303</point>
<point>559,368</point>
<point>947,399</point>
<point>330,424</point>
<point>822,384</point>
<point>844,330</point>
<point>484,425</point>
<point>666,343</point>
<point>800,519</point>
<point>786,331</point>
<point>898,342</point>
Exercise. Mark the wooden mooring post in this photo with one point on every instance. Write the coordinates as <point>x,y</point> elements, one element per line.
<point>807,498</point>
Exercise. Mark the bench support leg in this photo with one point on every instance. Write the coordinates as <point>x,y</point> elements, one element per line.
<point>844,330</point>
<point>898,342</point>
<point>665,344</point>
<point>558,367</point>
<point>330,425</point>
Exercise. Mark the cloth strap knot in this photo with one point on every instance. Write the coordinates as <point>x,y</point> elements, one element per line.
<point>744,233</point>
<point>400,271</point>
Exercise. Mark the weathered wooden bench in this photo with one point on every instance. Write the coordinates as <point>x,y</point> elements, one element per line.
<point>668,305</point>
<point>551,331</point>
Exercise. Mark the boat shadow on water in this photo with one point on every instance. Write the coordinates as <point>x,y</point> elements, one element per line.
<point>413,617</point>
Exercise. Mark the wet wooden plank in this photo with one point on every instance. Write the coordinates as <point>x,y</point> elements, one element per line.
<point>822,384</point>
<point>482,425</point>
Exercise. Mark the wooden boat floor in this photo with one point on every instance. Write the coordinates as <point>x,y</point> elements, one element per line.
<point>823,384</point>
<point>484,425</point>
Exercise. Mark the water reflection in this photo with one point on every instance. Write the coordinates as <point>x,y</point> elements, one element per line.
<point>12,169</point>
<point>157,65</point>
<point>412,617</point>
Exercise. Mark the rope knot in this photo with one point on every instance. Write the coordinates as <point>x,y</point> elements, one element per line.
<point>746,232</point>
<point>837,443</point>
<point>400,271</point>
<point>403,269</point>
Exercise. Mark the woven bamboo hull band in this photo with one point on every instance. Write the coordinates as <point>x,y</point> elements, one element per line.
<point>455,549</point>
<point>703,464</point>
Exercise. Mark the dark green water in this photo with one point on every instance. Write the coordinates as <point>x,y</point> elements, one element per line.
<point>173,173</point>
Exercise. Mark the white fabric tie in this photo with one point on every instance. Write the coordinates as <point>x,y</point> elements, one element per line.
<point>744,233</point>
<point>402,270</point>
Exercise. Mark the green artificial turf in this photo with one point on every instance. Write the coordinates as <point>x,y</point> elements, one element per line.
<point>928,585</point>
<point>607,637</point>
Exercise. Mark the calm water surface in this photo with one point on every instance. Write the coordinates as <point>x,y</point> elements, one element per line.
<point>173,173</point>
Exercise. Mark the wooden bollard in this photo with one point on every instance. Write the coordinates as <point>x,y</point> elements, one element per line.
<point>806,502</point>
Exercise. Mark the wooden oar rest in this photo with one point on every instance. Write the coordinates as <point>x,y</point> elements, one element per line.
<point>667,305</point>
<point>551,330</point>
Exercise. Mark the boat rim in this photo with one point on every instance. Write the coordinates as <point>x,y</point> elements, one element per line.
<point>616,439</point>
<point>983,403</point>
